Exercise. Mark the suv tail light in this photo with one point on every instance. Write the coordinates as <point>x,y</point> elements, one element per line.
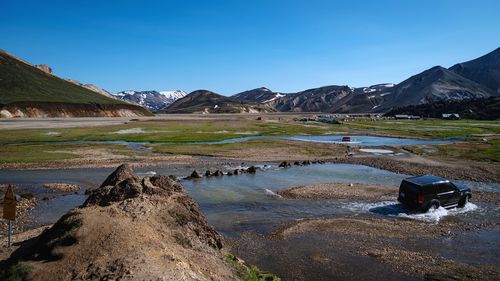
<point>420,199</point>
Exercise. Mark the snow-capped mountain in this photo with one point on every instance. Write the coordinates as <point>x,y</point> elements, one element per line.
<point>152,100</point>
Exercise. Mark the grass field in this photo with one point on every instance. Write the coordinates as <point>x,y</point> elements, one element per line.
<point>431,128</point>
<point>172,137</point>
<point>215,130</point>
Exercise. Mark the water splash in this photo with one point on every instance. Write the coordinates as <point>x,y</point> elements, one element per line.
<point>271,193</point>
<point>436,215</point>
<point>395,209</point>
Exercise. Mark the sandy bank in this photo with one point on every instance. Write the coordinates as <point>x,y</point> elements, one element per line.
<point>354,191</point>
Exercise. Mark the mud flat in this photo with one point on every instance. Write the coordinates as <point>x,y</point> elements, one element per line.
<point>341,191</point>
<point>406,247</point>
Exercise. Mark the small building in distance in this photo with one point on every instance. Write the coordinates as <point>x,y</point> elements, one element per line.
<point>450,116</point>
<point>406,116</point>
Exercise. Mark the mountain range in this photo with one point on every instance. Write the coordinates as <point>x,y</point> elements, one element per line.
<point>203,101</point>
<point>34,91</point>
<point>475,79</point>
<point>152,100</point>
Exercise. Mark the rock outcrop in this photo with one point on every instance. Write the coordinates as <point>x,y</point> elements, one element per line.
<point>45,68</point>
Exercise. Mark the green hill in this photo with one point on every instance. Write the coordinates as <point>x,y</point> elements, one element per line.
<point>28,89</point>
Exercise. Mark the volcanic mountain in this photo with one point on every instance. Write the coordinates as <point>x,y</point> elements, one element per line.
<point>259,95</point>
<point>29,91</point>
<point>203,101</point>
<point>484,70</point>
<point>434,84</point>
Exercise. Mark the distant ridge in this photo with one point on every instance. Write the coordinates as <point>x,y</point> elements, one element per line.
<point>204,101</point>
<point>484,70</point>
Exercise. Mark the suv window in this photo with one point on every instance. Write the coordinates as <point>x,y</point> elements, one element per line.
<point>444,187</point>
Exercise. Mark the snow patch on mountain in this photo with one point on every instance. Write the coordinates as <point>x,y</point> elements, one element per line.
<point>277,96</point>
<point>152,100</point>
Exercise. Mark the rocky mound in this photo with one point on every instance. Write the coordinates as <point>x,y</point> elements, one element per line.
<point>129,228</point>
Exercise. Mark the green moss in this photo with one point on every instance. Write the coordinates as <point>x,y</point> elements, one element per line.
<point>249,272</point>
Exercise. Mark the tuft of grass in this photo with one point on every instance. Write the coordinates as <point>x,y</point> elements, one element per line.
<point>65,233</point>
<point>19,271</point>
<point>249,272</point>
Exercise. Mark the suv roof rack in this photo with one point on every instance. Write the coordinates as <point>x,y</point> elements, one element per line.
<point>427,180</point>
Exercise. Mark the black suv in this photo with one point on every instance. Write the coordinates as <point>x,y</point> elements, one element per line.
<point>425,192</point>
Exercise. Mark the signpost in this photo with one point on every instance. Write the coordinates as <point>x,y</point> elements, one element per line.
<point>9,209</point>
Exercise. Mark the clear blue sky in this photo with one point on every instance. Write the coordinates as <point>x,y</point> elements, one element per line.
<point>231,46</point>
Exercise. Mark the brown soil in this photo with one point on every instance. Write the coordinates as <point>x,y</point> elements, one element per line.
<point>129,230</point>
<point>61,186</point>
<point>340,191</point>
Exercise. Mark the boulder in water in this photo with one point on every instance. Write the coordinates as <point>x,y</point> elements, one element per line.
<point>284,164</point>
<point>252,170</point>
<point>195,175</point>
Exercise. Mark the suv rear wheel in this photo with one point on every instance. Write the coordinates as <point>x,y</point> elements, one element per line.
<point>463,201</point>
<point>433,205</point>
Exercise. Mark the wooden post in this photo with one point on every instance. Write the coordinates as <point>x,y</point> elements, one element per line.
<point>9,209</point>
<point>9,234</point>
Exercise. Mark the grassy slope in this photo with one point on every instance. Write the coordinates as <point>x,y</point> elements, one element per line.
<point>21,82</point>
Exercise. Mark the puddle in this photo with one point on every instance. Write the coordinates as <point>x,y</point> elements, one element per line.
<point>51,134</point>
<point>377,151</point>
<point>129,131</point>
<point>355,140</point>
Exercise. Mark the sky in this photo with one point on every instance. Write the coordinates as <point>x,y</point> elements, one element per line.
<point>232,46</point>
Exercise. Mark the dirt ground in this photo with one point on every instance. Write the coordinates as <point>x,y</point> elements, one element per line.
<point>393,243</point>
<point>341,191</point>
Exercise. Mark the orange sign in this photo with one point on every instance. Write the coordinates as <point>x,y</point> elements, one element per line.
<point>9,204</point>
